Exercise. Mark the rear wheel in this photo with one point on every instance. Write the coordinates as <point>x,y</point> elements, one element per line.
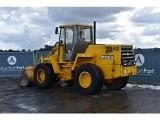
<point>88,79</point>
<point>117,83</point>
<point>44,75</point>
<point>125,81</point>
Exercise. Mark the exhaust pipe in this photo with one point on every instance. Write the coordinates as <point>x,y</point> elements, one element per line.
<point>94,25</point>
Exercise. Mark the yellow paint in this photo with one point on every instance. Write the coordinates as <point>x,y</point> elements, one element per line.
<point>76,24</point>
<point>94,54</point>
<point>85,79</point>
<point>41,75</point>
<point>107,57</point>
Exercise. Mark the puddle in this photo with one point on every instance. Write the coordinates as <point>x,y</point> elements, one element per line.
<point>28,108</point>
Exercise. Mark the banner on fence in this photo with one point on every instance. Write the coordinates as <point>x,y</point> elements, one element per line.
<point>13,63</point>
<point>148,62</point>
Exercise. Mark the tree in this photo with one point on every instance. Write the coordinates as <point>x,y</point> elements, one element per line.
<point>46,48</point>
<point>23,50</point>
<point>29,50</point>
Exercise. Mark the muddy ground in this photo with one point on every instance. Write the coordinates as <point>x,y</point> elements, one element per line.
<point>58,99</point>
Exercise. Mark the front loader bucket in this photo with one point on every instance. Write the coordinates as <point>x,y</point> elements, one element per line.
<point>27,77</point>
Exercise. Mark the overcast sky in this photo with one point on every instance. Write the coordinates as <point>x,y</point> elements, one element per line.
<point>33,27</point>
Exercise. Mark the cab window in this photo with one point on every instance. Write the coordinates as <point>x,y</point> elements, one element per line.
<point>62,34</point>
<point>69,39</point>
<point>69,35</point>
<point>84,34</point>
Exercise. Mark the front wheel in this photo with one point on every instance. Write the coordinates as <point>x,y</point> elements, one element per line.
<point>44,75</point>
<point>88,79</point>
<point>117,83</point>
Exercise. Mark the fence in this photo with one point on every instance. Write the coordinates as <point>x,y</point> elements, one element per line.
<point>13,63</point>
<point>147,60</point>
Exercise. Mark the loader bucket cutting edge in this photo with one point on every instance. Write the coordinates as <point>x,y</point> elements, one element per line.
<point>27,77</point>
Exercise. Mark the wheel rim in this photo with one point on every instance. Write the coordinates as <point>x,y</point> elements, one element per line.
<point>41,75</point>
<point>85,79</point>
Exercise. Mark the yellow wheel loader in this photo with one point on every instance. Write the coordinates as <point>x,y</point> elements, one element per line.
<point>77,59</point>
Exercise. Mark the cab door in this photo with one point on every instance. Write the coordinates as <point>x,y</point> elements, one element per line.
<point>69,42</point>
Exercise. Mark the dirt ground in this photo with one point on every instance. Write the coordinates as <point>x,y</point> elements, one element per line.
<point>58,99</point>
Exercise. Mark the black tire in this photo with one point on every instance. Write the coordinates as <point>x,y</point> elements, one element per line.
<point>47,78</point>
<point>125,81</point>
<point>117,83</point>
<point>95,76</point>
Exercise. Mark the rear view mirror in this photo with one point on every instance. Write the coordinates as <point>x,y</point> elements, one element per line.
<point>56,30</point>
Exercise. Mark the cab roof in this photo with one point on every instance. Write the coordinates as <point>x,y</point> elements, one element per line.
<point>75,24</point>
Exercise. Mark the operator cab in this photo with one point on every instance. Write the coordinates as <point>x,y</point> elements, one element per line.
<point>76,38</point>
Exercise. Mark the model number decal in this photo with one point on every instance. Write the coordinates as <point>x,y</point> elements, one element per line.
<point>111,49</point>
<point>116,48</point>
<point>110,57</point>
